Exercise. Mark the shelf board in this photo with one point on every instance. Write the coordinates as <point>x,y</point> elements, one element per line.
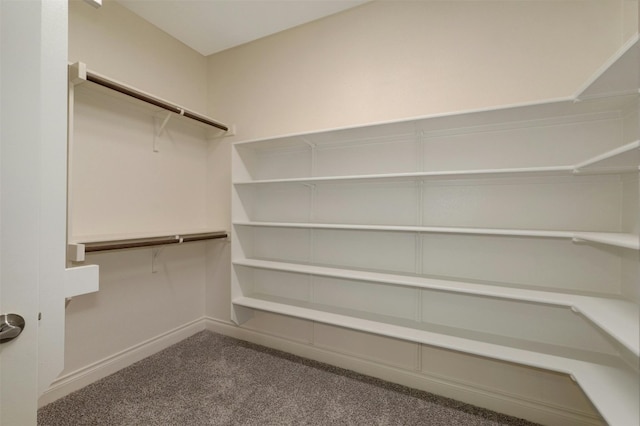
<point>630,241</point>
<point>624,240</point>
<point>468,120</point>
<point>622,159</point>
<point>618,76</point>
<point>450,174</point>
<point>612,387</point>
<point>619,318</point>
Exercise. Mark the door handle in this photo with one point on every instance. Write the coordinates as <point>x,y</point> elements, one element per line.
<point>11,325</point>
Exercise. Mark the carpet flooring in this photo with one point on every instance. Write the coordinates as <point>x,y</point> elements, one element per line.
<point>210,379</point>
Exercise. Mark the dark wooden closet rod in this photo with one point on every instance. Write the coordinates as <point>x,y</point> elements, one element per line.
<point>94,78</point>
<point>151,241</point>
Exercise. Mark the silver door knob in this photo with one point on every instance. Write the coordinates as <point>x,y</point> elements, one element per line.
<point>11,325</point>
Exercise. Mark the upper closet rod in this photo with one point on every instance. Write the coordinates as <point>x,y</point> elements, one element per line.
<point>84,74</point>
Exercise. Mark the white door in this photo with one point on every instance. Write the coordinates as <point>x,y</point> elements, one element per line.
<point>33,76</point>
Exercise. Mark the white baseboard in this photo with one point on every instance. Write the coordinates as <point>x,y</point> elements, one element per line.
<point>514,405</point>
<point>82,377</point>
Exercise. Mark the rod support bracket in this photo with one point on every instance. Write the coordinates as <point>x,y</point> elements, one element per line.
<point>77,73</point>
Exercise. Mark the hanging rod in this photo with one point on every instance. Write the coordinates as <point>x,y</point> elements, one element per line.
<point>79,72</point>
<point>151,241</point>
<point>76,251</point>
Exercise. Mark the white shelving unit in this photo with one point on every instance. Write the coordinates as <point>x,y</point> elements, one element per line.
<point>511,233</point>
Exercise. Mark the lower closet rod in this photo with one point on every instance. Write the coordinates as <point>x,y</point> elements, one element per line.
<point>151,241</point>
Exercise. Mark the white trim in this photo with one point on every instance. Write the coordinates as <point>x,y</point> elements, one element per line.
<point>510,404</point>
<point>82,377</point>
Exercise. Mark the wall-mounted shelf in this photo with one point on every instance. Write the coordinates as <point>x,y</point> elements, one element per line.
<point>624,159</point>
<point>619,160</point>
<point>77,250</point>
<point>611,385</point>
<point>461,231</point>
<point>630,241</point>
<point>617,317</point>
<point>617,76</point>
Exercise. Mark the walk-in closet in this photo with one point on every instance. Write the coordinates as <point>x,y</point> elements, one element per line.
<point>439,195</point>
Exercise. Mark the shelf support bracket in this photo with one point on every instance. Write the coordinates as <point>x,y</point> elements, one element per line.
<point>160,130</point>
<point>155,252</point>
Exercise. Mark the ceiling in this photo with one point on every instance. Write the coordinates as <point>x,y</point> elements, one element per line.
<point>210,26</point>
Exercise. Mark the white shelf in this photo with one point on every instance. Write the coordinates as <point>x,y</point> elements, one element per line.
<point>613,388</point>
<point>485,173</point>
<point>622,159</point>
<point>618,76</point>
<point>630,241</point>
<point>619,318</point>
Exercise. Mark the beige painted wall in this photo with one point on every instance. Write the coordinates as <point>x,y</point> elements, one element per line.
<point>134,304</point>
<point>630,14</point>
<point>389,60</point>
<point>113,41</point>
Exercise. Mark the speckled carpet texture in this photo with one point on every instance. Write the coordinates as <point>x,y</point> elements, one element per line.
<point>209,379</point>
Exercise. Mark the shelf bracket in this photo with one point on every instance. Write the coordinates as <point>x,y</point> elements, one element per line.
<point>75,252</point>
<point>77,73</point>
<point>164,124</point>
<point>155,252</point>
<point>161,127</point>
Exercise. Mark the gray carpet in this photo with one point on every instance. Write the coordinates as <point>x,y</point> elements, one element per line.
<point>209,379</point>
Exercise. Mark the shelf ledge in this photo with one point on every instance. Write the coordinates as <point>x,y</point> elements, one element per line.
<point>617,239</point>
<point>623,159</point>
<point>613,389</point>
<point>485,173</point>
<point>618,318</point>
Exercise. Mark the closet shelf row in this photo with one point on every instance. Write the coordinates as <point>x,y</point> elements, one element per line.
<point>77,250</point>
<point>623,159</point>
<point>617,239</point>
<point>611,385</point>
<point>619,318</point>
